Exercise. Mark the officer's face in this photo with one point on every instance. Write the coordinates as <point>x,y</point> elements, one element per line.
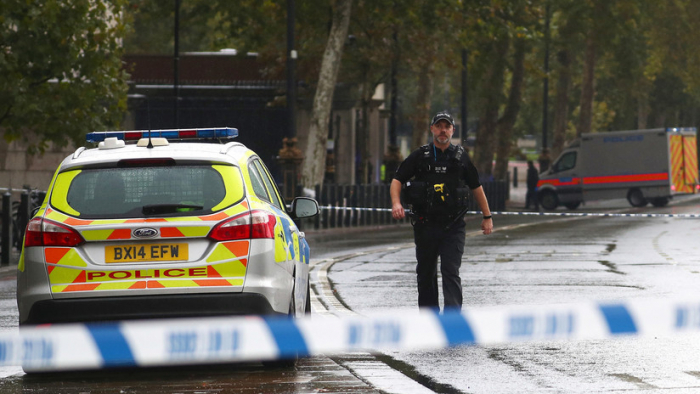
<point>442,132</point>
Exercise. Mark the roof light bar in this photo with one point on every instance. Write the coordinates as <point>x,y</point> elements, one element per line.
<point>175,134</point>
<point>680,129</point>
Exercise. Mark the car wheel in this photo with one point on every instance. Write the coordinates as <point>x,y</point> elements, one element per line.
<point>636,198</point>
<point>572,205</point>
<point>307,307</point>
<point>549,200</point>
<point>290,362</point>
<point>659,201</point>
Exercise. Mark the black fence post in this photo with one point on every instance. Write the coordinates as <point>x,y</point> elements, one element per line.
<point>359,218</point>
<point>332,192</point>
<point>6,229</point>
<point>317,222</point>
<point>23,216</point>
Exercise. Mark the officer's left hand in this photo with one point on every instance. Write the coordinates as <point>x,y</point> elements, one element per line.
<point>487,226</point>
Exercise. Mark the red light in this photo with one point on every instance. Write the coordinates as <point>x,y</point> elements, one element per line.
<point>133,135</point>
<point>187,133</point>
<point>263,225</point>
<point>42,232</point>
<point>249,225</point>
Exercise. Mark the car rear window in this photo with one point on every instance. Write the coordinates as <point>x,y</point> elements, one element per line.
<point>179,190</point>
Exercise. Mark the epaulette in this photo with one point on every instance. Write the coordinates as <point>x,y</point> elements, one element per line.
<point>460,151</point>
<point>426,150</point>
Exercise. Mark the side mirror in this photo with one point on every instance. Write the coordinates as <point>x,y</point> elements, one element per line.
<point>304,207</point>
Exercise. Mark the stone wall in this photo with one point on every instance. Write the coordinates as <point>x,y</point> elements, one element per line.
<point>17,168</point>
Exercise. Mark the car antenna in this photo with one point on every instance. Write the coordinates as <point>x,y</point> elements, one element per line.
<point>148,108</point>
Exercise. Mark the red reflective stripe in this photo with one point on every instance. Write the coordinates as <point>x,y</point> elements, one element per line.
<point>661,176</point>
<point>120,234</point>
<point>81,287</point>
<point>557,182</point>
<point>170,232</point>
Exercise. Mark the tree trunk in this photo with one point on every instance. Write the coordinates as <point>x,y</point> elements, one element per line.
<point>315,160</point>
<point>588,88</point>
<point>421,124</point>
<point>486,132</point>
<point>642,110</point>
<point>561,107</point>
<point>510,115</point>
<point>363,135</point>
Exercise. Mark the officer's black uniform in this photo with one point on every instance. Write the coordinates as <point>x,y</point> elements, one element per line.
<point>427,167</point>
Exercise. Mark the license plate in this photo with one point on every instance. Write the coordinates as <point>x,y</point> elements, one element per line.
<point>141,253</point>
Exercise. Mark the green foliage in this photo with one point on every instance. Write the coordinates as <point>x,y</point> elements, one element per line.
<point>646,54</point>
<point>60,70</point>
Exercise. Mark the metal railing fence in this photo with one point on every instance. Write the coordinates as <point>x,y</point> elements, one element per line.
<point>337,203</point>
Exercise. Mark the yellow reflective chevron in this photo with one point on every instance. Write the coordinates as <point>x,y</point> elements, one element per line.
<point>233,184</point>
<point>60,194</point>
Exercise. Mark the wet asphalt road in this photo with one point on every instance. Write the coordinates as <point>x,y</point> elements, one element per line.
<point>558,260</point>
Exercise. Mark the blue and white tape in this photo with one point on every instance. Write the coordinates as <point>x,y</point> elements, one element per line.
<point>565,214</point>
<point>229,339</point>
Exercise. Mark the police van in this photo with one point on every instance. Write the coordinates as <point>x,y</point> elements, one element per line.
<point>166,223</point>
<point>642,166</point>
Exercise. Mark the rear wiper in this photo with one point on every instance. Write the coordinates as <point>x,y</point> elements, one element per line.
<point>158,209</point>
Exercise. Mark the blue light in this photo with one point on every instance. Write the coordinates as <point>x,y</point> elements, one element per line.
<point>227,132</point>
<point>170,134</point>
<point>205,133</point>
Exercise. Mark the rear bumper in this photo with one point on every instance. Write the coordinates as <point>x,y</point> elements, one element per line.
<point>147,307</point>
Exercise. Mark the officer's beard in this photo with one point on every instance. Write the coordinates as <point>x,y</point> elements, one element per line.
<point>442,139</point>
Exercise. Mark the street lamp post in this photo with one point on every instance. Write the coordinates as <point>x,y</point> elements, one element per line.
<point>545,93</point>
<point>464,113</point>
<point>291,71</point>
<point>176,64</point>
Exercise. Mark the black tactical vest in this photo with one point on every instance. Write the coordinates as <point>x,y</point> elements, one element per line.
<point>442,179</point>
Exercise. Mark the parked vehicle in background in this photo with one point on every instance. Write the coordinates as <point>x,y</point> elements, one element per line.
<point>640,165</point>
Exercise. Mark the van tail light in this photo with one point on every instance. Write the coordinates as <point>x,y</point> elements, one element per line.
<point>42,232</point>
<point>253,224</point>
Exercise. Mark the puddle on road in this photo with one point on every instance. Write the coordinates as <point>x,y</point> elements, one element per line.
<point>633,379</point>
<point>612,267</point>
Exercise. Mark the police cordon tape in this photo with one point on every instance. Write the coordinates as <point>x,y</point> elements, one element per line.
<point>569,214</point>
<point>254,338</point>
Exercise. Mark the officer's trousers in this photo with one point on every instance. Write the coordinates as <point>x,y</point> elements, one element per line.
<point>433,240</point>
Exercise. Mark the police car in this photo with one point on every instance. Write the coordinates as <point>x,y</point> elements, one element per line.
<point>163,224</point>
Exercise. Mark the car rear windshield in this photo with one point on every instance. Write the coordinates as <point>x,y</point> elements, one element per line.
<point>180,190</point>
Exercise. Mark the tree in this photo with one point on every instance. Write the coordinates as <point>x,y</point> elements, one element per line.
<point>315,161</point>
<point>60,70</point>
<point>510,114</point>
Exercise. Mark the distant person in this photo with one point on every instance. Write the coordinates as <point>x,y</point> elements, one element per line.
<point>544,161</point>
<point>439,175</point>
<point>532,179</point>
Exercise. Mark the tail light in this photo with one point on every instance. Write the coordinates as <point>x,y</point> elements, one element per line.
<point>42,232</point>
<point>253,224</point>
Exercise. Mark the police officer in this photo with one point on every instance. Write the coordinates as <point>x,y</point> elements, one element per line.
<point>435,176</point>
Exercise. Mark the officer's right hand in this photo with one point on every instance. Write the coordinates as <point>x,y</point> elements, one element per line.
<point>397,211</point>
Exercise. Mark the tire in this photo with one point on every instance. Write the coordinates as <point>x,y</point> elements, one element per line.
<point>290,362</point>
<point>307,307</point>
<point>636,198</point>
<point>659,201</point>
<point>549,200</point>
<point>572,205</point>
